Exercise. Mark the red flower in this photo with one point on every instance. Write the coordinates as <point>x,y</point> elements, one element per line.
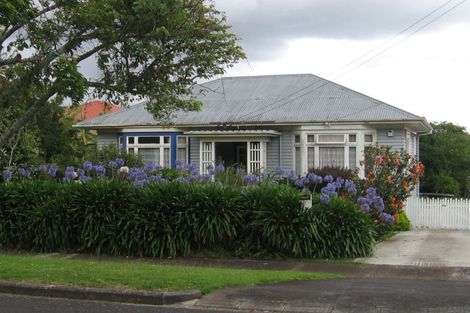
<point>395,216</point>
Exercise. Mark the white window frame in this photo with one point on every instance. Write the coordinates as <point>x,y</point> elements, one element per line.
<point>161,146</point>
<point>183,146</point>
<point>256,156</point>
<point>203,163</point>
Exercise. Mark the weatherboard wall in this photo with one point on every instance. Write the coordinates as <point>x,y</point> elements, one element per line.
<point>397,141</point>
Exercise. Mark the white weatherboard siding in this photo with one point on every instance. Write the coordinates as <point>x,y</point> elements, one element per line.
<point>106,138</point>
<point>273,154</point>
<point>287,150</point>
<point>397,141</point>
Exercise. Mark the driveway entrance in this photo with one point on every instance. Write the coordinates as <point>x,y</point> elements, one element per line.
<point>434,248</point>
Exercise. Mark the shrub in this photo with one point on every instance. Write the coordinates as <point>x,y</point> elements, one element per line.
<point>276,223</point>
<point>112,152</point>
<point>345,231</point>
<point>402,223</point>
<point>114,217</point>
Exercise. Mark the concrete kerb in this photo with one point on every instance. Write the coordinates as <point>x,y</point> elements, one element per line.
<point>99,294</point>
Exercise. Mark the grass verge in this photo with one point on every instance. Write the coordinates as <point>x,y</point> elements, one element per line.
<point>138,275</point>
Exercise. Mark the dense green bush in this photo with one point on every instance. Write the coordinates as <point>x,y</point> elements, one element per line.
<point>402,223</point>
<point>345,231</point>
<point>276,222</point>
<point>173,219</point>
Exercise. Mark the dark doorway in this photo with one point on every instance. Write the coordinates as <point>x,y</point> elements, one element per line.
<point>231,153</point>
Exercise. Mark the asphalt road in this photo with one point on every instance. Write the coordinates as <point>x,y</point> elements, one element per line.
<point>354,295</point>
<point>334,296</point>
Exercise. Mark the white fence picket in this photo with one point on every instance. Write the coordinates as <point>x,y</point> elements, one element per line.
<point>438,213</point>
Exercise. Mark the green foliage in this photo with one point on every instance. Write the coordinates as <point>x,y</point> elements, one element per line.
<point>446,152</point>
<point>344,230</point>
<point>174,219</point>
<point>112,152</point>
<point>144,49</point>
<point>444,184</point>
<point>402,223</point>
<point>276,223</point>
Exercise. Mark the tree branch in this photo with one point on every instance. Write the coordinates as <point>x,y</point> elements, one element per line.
<point>16,27</point>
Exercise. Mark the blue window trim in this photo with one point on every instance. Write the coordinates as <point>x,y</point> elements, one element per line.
<point>173,141</point>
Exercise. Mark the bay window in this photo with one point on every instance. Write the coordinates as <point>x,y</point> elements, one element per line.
<point>156,149</point>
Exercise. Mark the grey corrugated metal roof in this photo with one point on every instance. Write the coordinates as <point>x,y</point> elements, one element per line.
<point>274,98</point>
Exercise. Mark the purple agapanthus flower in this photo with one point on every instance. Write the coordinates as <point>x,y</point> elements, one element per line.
<point>339,181</point>
<point>137,173</point>
<point>219,169</point>
<point>324,198</point>
<point>53,170</point>
<point>100,170</point>
<point>7,175</point>
<point>120,162</point>
<point>112,164</point>
<point>180,165</point>
<point>329,178</point>
<point>314,178</point>
<point>192,168</point>
<point>139,183</point>
<point>43,168</point>
<point>350,187</point>
<point>69,173</point>
<point>157,179</point>
<point>150,166</point>
<point>87,166</point>
<point>240,171</point>
<point>364,203</point>
<point>251,179</point>
<point>210,169</point>
<point>182,180</point>
<point>24,172</point>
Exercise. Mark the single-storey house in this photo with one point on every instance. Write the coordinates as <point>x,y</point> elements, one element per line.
<point>264,122</point>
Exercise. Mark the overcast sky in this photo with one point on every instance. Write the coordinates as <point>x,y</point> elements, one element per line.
<point>426,74</point>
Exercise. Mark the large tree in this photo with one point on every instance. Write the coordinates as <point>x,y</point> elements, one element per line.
<point>446,154</point>
<point>141,49</point>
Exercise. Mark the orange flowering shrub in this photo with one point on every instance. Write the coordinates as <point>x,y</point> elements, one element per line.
<point>394,174</point>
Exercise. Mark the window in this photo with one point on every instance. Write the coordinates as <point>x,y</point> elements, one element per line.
<point>151,148</point>
<point>368,138</point>
<point>207,155</point>
<point>255,161</point>
<point>297,155</point>
<point>330,138</point>
<point>311,157</point>
<point>331,156</point>
<point>297,139</point>
<point>352,138</point>
<point>311,138</point>
<point>182,149</point>
<point>352,158</point>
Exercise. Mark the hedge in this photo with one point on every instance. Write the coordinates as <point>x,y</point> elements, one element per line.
<point>175,219</point>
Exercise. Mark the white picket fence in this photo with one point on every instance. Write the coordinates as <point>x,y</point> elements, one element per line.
<point>438,213</point>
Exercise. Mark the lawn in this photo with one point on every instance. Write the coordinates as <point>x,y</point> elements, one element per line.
<point>137,275</point>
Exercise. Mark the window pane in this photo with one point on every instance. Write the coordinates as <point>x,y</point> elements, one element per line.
<point>297,138</point>
<point>166,139</point>
<point>130,140</point>
<point>311,157</point>
<point>150,154</point>
<point>182,140</point>
<point>352,138</point>
<point>151,140</point>
<point>331,156</point>
<point>310,138</point>
<point>331,138</point>
<point>181,155</point>
<point>166,157</point>
<point>368,138</point>
<point>298,160</point>
<point>352,158</point>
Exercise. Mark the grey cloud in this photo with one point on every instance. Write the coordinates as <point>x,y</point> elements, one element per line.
<point>265,25</point>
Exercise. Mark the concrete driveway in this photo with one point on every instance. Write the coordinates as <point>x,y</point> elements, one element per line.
<point>433,248</point>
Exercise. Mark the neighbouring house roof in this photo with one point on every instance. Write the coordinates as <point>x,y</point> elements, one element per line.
<point>92,109</point>
<point>271,99</point>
